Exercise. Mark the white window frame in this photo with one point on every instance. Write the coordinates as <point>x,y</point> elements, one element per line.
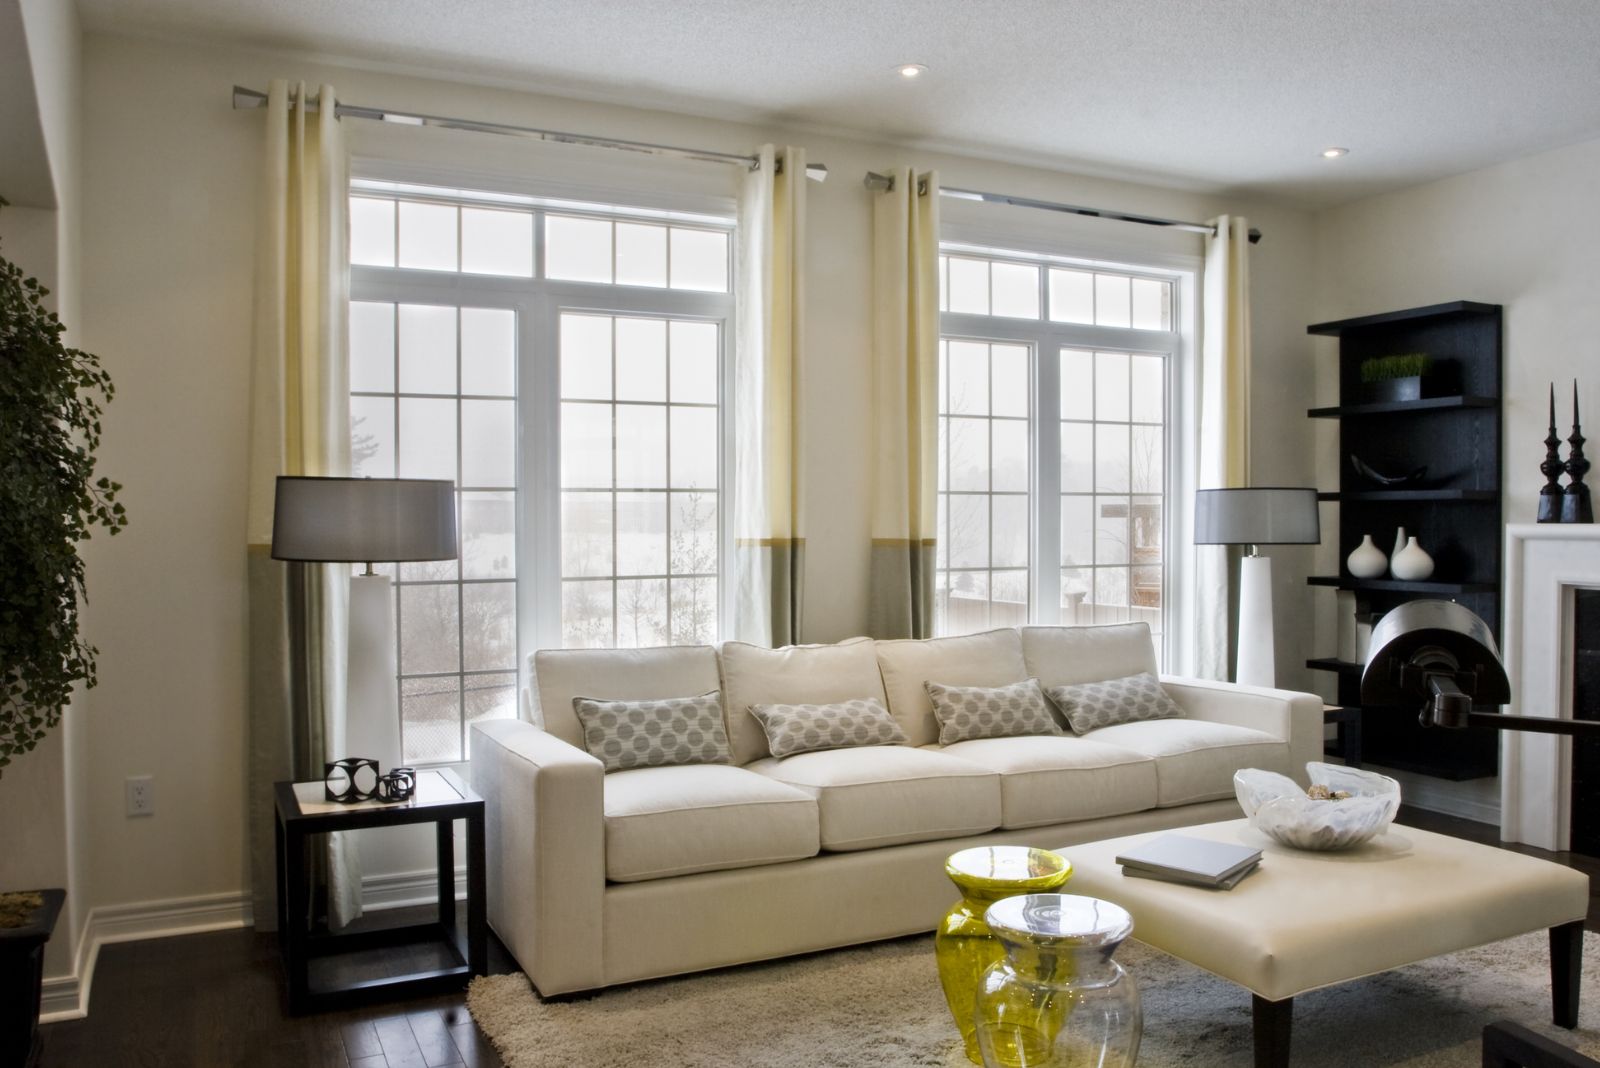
<point>538,303</point>
<point>1180,346</point>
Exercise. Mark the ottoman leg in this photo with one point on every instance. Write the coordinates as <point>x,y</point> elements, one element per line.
<point>1272,1021</point>
<point>1566,972</point>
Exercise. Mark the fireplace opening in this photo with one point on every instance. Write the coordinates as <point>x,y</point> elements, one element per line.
<point>1586,705</point>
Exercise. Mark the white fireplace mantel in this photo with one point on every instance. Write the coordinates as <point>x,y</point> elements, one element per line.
<point>1544,564</point>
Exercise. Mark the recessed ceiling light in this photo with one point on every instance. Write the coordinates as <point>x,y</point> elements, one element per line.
<point>911,70</point>
<point>1335,152</point>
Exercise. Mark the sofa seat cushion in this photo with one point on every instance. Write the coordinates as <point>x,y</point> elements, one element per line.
<point>702,817</point>
<point>1195,758</point>
<point>887,794</point>
<point>1058,779</point>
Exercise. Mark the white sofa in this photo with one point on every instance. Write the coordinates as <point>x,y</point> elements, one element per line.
<point>598,879</point>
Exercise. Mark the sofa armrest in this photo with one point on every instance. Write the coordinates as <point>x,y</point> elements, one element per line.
<point>1288,714</point>
<point>546,851</point>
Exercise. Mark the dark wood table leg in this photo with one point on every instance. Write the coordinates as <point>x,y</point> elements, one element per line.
<point>1350,739</point>
<point>445,834</point>
<point>1272,1021</point>
<point>296,913</point>
<point>1566,972</point>
<point>477,898</point>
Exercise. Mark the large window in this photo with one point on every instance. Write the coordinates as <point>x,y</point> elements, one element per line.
<point>563,363</point>
<point>1054,432</point>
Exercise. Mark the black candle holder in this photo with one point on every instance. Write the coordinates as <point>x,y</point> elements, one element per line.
<point>1551,493</point>
<point>350,780</point>
<point>1575,504</point>
<point>400,784</point>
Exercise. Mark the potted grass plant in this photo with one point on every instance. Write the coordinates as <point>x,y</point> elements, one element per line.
<point>50,500</point>
<point>1394,378</point>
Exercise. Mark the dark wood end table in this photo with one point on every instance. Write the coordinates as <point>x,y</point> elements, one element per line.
<point>302,812</point>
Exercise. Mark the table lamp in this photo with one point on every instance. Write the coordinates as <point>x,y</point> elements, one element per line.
<point>367,520</point>
<point>1262,515</point>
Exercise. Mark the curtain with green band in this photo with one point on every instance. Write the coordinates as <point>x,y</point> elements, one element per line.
<point>905,383</point>
<point>769,532</point>
<point>299,426</point>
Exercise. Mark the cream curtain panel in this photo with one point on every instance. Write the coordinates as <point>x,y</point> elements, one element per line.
<point>299,426</point>
<point>769,532</point>
<point>1224,422</point>
<point>905,384</point>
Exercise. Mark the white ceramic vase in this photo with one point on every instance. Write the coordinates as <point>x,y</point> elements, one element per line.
<point>1399,543</point>
<point>1411,564</point>
<point>1367,560</point>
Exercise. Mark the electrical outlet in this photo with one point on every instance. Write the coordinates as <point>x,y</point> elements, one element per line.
<point>141,795</point>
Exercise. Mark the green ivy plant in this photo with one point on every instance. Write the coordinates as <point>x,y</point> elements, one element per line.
<point>50,500</point>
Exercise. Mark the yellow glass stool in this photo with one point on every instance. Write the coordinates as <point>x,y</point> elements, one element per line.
<point>964,945</point>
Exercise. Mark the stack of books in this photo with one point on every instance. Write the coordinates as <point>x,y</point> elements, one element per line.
<point>1178,858</point>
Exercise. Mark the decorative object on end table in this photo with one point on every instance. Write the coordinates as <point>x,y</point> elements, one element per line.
<point>398,784</point>
<point>1366,560</point>
<point>1553,468</point>
<point>1411,564</point>
<point>367,520</point>
<point>1344,807</point>
<point>1575,504</point>
<point>1372,474</point>
<point>1387,379</point>
<point>963,944</point>
<point>1058,997</point>
<point>350,780</point>
<point>50,401</point>
<point>1260,515</point>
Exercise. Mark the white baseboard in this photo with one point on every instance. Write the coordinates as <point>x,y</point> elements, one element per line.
<point>66,997</point>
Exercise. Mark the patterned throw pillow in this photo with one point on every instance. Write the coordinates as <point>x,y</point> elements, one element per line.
<point>650,734</point>
<point>802,728</point>
<point>1091,705</point>
<point>967,712</point>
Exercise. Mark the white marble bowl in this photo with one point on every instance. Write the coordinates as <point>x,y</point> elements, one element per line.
<point>1279,808</point>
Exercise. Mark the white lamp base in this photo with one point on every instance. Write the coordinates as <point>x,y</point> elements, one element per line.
<point>373,710</point>
<point>1256,663</point>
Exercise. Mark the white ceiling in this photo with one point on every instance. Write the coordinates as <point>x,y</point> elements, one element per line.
<point>1236,95</point>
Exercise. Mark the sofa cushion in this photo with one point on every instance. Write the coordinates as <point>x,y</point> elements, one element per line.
<point>793,675</point>
<point>1063,656</point>
<point>993,658</point>
<point>792,729</point>
<point>556,676</point>
<point>1088,706</point>
<point>1195,758</point>
<point>990,711</point>
<point>1060,779</point>
<point>885,795</point>
<point>707,817</point>
<point>654,733</point>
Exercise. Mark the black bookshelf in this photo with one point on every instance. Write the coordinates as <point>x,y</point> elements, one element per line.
<point>1454,511</point>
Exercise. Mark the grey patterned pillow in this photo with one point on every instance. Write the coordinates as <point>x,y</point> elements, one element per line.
<point>967,712</point>
<point>1091,705</point>
<point>650,734</point>
<point>802,728</point>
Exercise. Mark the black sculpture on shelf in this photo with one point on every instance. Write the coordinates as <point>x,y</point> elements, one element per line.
<point>1575,504</point>
<point>1551,494</point>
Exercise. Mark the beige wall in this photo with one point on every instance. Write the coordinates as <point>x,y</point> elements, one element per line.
<point>169,207</point>
<point>1523,234</point>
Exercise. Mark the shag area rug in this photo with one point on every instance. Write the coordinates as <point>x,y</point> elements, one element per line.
<point>879,1006</point>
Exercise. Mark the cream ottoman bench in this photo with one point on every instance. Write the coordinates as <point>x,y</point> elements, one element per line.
<point>1308,920</point>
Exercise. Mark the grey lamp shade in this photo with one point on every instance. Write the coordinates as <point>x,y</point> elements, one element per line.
<point>364,520</point>
<point>1262,515</point>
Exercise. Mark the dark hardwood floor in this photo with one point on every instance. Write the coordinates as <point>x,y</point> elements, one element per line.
<point>217,999</point>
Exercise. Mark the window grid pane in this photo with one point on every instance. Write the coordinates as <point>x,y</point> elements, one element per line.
<point>640,486</point>
<point>455,621</point>
<point>981,568</point>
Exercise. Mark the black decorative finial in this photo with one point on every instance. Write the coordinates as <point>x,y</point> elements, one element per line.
<point>1575,504</point>
<point>1551,494</point>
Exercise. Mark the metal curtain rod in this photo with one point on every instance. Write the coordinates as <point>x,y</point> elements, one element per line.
<point>246,99</point>
<point>874,180</point>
